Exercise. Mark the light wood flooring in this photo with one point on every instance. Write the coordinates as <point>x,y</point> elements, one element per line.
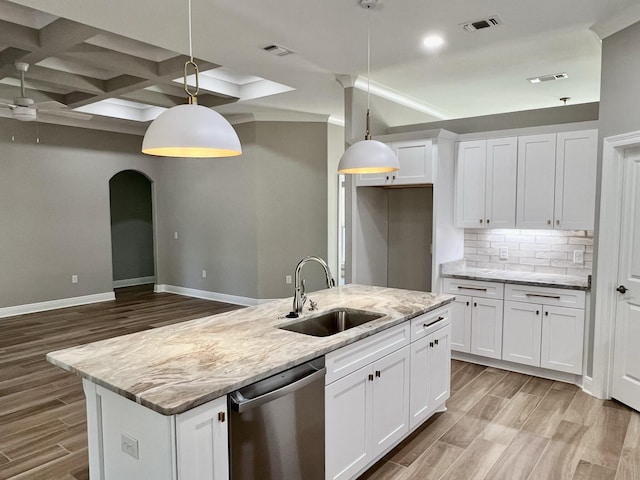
<point>499,425</point>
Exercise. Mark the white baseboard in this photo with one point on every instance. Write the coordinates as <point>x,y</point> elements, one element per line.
<point>587,385</point>
<point>132,282</point>
<point>54,304</point>
<point>218,297</point>
<point>519,368</point>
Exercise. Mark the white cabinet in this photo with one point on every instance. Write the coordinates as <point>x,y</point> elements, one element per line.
<point>556,180</point>
<point>541,332</point>
<point>366,414</point>
<point>128,440</point>
<point>430,371</point>
<point>486,183</point>
<point>476,316</point>
<point>416,166</point>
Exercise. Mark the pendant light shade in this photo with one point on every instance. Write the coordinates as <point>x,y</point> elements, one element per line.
<point>191,131</point>
<point>368,156</point>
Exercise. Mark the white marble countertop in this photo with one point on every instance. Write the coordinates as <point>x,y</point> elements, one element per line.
<point>459,269</point>
<point>178,367</point>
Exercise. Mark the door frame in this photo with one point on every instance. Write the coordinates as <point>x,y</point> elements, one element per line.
<point>606,272</point>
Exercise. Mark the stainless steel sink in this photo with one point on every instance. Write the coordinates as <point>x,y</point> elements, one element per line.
<point>331,322</point>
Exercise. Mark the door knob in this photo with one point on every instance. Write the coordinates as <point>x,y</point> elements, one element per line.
<point>622,289</point>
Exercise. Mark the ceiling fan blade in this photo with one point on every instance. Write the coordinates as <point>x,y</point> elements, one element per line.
<point>49,105</point>
<point>67,114</point>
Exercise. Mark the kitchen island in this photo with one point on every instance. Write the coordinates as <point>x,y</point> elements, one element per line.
<point>144,389</point>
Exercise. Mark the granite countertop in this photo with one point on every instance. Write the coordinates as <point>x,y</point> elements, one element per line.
<point>459,269</point>
<point>175,368</point>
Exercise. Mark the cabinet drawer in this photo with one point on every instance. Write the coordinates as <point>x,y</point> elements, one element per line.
<point>560,297</point>
<point>473,288</point>
<point>348,359</point>
<point>429,322</point>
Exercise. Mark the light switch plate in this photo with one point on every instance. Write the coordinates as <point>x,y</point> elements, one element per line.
<point>129,445</point>
<point>504,253</point>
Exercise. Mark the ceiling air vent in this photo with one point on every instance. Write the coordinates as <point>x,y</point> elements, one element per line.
<point>483,23</point>
<point>548,78</point>
<point>277,50</point>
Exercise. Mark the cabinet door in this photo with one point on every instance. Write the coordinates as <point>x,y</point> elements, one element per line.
<point>202,442</point>
<point>374,179</point>
<point>501,174</point>
<point>536,181</point>
<point>416,166</point>
<point>521,333</point>
<point>461,324</point>
<point>348,415</point>
<point>576,180</point>
<point>470,184</point>
<point>440,367</point>
<point>562,339</point>
<point>390,400</point>
<point>486,327</point>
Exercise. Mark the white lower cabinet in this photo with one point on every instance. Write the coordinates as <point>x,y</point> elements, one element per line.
<point>430,374</point>
<point>128,440</point>
<point>366,414</point>
<point>542,334</point>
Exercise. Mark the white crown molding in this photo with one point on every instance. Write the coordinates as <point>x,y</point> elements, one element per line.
<point>614,24</point>
<point>207,295</point>
<point>279,116</point>
<point>55,304</point>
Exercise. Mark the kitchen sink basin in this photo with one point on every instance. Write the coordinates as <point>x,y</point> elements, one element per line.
<point>331,322</point>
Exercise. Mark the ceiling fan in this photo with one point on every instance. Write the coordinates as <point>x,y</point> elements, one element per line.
<point>26,110</point>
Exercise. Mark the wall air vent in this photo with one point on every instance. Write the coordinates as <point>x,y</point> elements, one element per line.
<point>277,50</point>
<point>483,23</point>
<point>548,78</point>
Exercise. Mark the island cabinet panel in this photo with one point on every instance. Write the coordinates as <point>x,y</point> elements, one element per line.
<point>202,442</point>
<point>128,440</point>
<point>461,324</point>
<point>521,333</point>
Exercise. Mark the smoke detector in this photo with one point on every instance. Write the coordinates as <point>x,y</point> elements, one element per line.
<point>277,50</point>
<point>482,23</point>
<point>548,78</point>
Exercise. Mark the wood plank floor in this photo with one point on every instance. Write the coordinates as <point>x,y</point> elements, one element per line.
<point>499,424</point>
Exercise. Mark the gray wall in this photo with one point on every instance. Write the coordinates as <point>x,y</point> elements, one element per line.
<point>131,226</point>
<point>54,208</point>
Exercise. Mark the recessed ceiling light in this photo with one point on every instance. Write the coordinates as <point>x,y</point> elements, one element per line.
<point>432,42</point>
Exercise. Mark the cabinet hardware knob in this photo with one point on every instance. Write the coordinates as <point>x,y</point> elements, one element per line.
<point>378,373</point>
<point>557,222</point>
<point>371,377</point>
<point>548,222</point>
<point>394,177</point>
<point>221,417</point>
<point>387,177</point>
<point>467,304</point>
<point>546,314</point>
<point>436,341</point>
<point>480,220</point>
<point>622,289</point>
<point>537,312</point>
<point>488,221</point>
<point>475,304</point>
<point>431,344</point>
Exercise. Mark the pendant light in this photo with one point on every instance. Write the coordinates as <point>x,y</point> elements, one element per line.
<point>191,130</point>
<point>368,156</point>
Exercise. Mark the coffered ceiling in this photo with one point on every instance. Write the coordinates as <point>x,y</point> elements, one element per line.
<point>123,61</point>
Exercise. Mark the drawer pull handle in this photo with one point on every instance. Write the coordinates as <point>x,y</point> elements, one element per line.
<point>557,297</point>
<point>371,377</point>
<point>436,341</point>
<point>221,417</point>
<point>462,287</point>
<point>431,344</point>
<point>378,373</point>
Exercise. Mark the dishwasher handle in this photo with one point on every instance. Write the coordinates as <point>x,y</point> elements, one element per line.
<point>241,404</point>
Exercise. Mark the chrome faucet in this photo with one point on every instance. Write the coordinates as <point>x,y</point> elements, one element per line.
<point>299,297</point>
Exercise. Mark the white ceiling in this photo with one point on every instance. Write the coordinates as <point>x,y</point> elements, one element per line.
<point>473,74</point>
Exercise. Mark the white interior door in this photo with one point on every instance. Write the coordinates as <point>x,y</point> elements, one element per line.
<point>626,367</point>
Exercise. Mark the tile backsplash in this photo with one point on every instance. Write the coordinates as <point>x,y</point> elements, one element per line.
<point>541,251</point>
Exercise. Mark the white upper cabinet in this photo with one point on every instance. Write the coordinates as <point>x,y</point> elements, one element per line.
<point>486,183</point>
<point>576,180</point>
<point>416,166</point>
<point>557,180</point>
<point>536,186</point>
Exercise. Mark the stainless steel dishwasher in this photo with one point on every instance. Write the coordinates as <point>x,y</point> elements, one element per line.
<point>276,429</point>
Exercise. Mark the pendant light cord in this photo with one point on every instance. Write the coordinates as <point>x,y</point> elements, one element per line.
<point>367,135</point>
<point>194,94</point>
<point>190,41</point>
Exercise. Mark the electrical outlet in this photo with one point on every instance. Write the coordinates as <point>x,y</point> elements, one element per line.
<point>175,235</point>
<point>74,278</point>
<point>504,253</point>
<point>288,280</point>
<point>129,445</point>
<point>578,257</point>
<point>204,274</point>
